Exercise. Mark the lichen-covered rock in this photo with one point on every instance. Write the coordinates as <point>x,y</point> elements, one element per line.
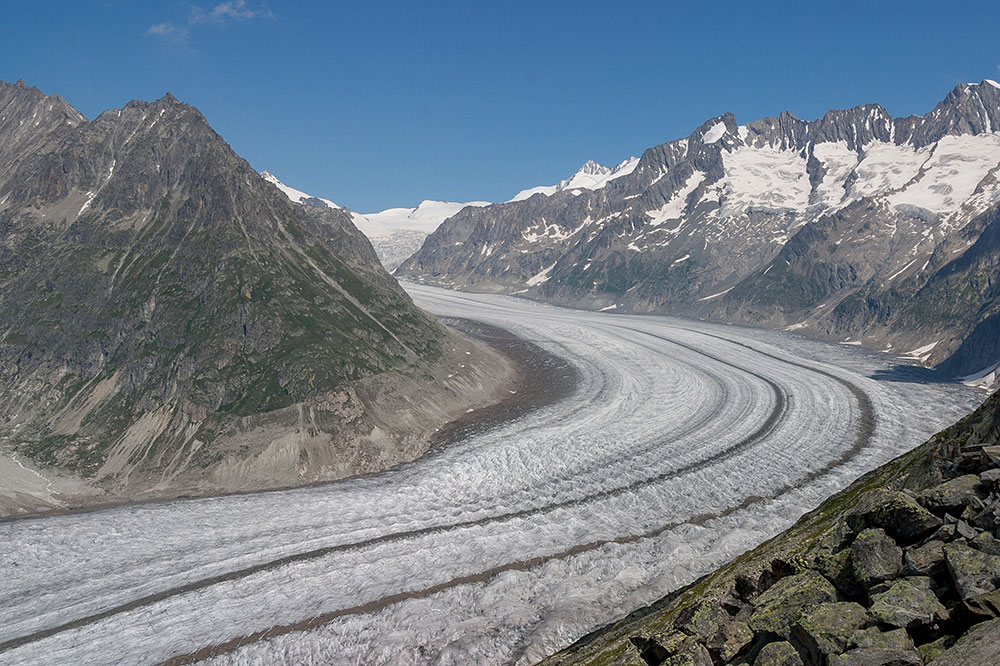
<point>979,608</point>
<point>783,604</point>
<point>689,652</point>
<point>986,543</point>
<point>875,558</point>
<point>877,657</point>
<point>895,512</point>
<point>981,645</point>
<point>908,603</point>
<point>729,640</point>
<point>781,653</point>
<point>827,628</point>
<point>952,496</point>
<point>933,650</point>
<point>988,518</point>
<point>926,560</point>
<point>873,637</point>
<point>703,618</point>
<point>732,603</point>
<point>973,572</point>
<point>837,568</point>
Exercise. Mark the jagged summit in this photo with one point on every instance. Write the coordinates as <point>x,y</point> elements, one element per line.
<point>590,176</point>
<point>591,167</point>
<point>847,226</point>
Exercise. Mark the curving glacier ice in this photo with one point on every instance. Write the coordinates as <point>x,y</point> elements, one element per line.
<point>684,444</point>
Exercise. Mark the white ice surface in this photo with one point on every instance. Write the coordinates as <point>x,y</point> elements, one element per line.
<point>425,218</point>
<point>764,178</point>
<point>714,133</point>
<point>949,177</point>
<point>638,446</point>
<point>674,209</point>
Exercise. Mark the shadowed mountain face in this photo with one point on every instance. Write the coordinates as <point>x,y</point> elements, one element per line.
<point>158,295</point>
<point>854,227</point>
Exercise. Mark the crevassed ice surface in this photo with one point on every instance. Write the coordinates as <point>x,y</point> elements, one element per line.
<point>498,549</point>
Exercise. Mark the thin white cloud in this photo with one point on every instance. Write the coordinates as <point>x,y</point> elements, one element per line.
<point>234,10</point>
<point>220,14</point>
<point>168,30</point>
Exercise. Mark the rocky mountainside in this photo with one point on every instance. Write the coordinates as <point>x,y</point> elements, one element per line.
<point>170,322</point>
<point>900,569</point>
<point>857,227</point>
<point>397,233</point>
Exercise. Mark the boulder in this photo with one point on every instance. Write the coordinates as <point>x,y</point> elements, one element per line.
<point>972,571</point>
<point>875,558</point>
<point>990,478</point>
<point>778,654</point>
<point>944,533</point>
<point>877,657</point>
<point>992,455</point>
<point>777,609</point>
<point>988,518</point>
<point>931,651</point>
<point>895,512</point>
<point>908,603</point>
<point>729,640</point>
<point>873,637</point>
<point>954,495</point>
<point>965,530</point>
<point>925,560</point>
<point>986,543</point>
<point>732,603</point>
<point>826,629</point>
<point>978,609</point>
<point>655,648</point>
<point>837,568</point>
<point>672,649</point>
<point>981,645</point>
<point>702,619</point>
<point>689,653</point>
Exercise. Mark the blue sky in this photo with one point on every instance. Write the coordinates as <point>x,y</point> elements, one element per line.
<point>379,104</point>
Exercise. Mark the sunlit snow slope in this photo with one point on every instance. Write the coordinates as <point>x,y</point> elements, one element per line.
<point>683,445</point>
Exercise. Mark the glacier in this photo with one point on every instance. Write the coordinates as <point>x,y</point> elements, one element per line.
<point>684,444</point>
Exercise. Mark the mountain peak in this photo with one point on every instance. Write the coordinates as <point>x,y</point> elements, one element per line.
<point>591,167</point>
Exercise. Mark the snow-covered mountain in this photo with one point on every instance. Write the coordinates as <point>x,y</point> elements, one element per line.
<point>591,176</point>
<point>397,233</point>
<point>855,226</point>
<point>297,196</point>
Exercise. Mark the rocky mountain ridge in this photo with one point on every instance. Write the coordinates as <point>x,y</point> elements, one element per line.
<point>171,323</point>
<point>900,569</point>
<point>854,227</point>
<point>396,233</point>
<point>590,176</point>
